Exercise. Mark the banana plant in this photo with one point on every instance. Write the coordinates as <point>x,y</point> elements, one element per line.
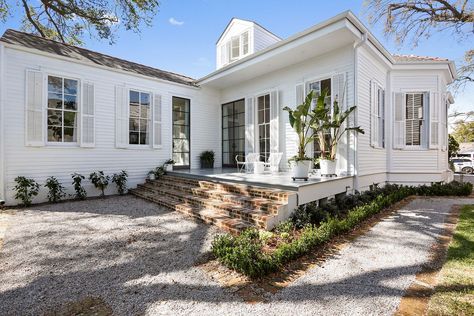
<point>301,120</point>
<point>328,125</point>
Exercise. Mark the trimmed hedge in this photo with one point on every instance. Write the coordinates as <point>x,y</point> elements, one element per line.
<point>244,253</point>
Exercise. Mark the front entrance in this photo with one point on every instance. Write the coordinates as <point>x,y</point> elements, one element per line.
<point>233,132</point>
<point>181,133</point>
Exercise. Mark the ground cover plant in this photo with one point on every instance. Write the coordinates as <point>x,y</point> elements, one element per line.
<point>455,291</point>
<point>256,254</point>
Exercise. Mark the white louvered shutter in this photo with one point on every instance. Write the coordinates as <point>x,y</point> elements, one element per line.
<point>121,117</point>
<point>87,113</point>
<point>157,122</point>
<point>433,102</point>
<point>374,133</point>
<point>443,124</point>
<point>274,121</point>
<point>299,92</point>
<point>249,125</point>
<point>338,90</point>
<point>34,122</point>
<point>399,120</point>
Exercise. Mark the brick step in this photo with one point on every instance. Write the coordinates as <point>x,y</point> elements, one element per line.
<point>258,203</point>
<point>242,189</point>
<point>258,217</point>
<point>216,218</point>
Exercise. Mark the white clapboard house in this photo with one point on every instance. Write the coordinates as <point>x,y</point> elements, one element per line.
<point>66,109</point>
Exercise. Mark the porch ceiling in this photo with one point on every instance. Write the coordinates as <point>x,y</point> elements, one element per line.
<point>294,50</point>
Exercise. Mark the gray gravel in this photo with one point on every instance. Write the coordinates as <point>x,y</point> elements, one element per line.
<point>140,259</point>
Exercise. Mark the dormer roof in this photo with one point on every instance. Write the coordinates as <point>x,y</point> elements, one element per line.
<point>250,23</point>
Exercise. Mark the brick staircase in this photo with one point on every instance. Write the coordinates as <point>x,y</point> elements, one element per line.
<point>229,206</point>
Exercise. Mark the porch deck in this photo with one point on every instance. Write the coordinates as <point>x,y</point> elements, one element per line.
<point>315,188</point>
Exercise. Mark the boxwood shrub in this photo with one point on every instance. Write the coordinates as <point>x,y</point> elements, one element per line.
<point>244,253</point>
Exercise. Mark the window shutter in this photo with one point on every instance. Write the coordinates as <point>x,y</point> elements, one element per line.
<point>399,121</point>
<point>373,114</point>
<point>274,121</point>
<point>249,125</point>
<point>433,119</point>
<point>443,124</point>
<point>121,117</point>
<point>299,94</point>
<point>338,90</point>
<point>87,116</point>
<point>34,122</point>
<point>157,122</point>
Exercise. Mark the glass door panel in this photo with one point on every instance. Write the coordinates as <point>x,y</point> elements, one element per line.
<point>233,132</point>
<point>181,132</point>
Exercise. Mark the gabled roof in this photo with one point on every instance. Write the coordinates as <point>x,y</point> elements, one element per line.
<point>17,38</point>
<point>249,21</point>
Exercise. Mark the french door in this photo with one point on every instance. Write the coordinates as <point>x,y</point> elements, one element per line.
<point>181,133</point>
<point>233,132</point>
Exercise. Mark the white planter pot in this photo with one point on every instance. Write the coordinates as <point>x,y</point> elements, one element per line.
<point>169,167</point>
<point>301,168</point>
<point>328,167</point>
<point>151,176</point>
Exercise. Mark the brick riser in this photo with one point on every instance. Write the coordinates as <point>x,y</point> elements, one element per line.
<point>231,207</point>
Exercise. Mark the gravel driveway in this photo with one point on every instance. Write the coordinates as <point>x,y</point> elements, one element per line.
<point>139,259</point>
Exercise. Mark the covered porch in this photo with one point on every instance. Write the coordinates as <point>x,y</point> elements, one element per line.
<point>316,188</point>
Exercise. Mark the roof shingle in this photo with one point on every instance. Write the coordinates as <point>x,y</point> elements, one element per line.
<point>415,58</point>
<point>49,46</point>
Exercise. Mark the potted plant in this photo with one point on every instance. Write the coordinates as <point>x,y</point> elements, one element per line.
<point>207,159</point>
<point>329,128</point>
<point>301,120</point>
<point>169,164</point>
<point>157,172</point>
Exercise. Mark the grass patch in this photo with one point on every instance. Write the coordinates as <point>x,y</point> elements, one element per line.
<point>454,295</point>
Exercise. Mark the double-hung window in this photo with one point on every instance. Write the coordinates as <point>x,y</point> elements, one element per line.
<point>139,117</point>
<point>263,121</point>
<point>415,119</point>
<point>62,109</point>
<point>319,87</point>
<point>235,48</point>
<point>377,126</point>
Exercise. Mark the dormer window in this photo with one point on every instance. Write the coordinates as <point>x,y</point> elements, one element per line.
<point>236,48</point>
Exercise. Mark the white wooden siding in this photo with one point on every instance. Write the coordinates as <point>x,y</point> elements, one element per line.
<point>262,39</point>
<point>61,161</point>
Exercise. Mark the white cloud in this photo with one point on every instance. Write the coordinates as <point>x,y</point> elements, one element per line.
<point>173,21</point>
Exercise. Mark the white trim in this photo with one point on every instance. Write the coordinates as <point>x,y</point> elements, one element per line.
<point>2,124</point>
<point>129,88</point>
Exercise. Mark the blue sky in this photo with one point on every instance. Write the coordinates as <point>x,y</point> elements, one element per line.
<point>182,38</point>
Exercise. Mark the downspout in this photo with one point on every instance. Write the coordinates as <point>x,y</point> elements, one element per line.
<point>2,124</point>
<point>361,42</point>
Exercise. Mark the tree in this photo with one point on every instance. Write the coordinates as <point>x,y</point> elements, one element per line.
<point>67,21</point>
<point>464,132</point>
<point>453,146</point>
<point>411,21</point>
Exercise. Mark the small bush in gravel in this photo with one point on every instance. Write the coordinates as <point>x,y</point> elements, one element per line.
<point>55,190</point>
<point>100,181</point>
<point>120,180</point>
<point>81,193</point>
<point>26,189</point>
<point>245,254</point>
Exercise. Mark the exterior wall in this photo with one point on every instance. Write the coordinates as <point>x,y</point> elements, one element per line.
<point>60,161</point>
<point>285,81</point>
<point>409,165</point>
<point>370,160</point>
<point>262,39</point>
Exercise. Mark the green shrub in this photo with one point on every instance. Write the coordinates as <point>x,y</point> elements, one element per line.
<point>244,252</point>
<point>81,193</point>
<point>120,180</point>
<point>26,189</point>
<point>55,190</point>
<point>100,181</point>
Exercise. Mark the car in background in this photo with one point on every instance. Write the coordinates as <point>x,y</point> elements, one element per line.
<point>463,165</point>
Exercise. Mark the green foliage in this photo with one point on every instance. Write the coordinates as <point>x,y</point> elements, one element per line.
<point>120,180</point>
<point>453,146</point>
<point>245,254</point>
<point>81,193</point>
<point>26,189</point>
<point>55,190</point>
<point>207,156</point>
<point>464,132</point>
<point>100,181</point>
<point>158,171</point>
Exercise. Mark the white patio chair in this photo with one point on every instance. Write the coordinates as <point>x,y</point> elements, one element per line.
<point>273,162</point>
<point>246,163</point>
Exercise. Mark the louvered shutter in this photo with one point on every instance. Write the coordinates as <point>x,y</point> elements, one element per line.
<point>299,90</point>
<point>34,122</point>
<point>338,90</point>
<point>121,117</point>
<point>374,134</point>
<point>157,122</point>
<point>443,125</point>
<point>433,119</point>
<point>249,125</point>
<point>87,113</point>
<point>274,121</point>
<point>399,120</point>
